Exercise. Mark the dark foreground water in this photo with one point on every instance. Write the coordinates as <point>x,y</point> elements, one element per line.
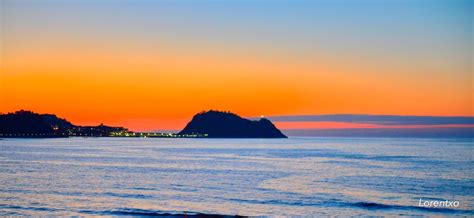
<point>298,176</point>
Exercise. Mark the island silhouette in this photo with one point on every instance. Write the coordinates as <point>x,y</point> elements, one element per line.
<point>217,124</point>
<point>208,124</point>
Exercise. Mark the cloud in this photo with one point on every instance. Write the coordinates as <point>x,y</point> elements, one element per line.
<point>378,119</point>
<point>397,132</point>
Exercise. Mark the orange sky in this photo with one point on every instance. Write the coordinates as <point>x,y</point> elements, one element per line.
<point>149,91</point>
<point>348,125</point>
<point>91,75</point>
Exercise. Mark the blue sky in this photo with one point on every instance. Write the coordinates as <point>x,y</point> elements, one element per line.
<point>252,57</point>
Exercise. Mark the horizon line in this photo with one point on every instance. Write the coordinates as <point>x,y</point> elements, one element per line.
<point>386,120</point>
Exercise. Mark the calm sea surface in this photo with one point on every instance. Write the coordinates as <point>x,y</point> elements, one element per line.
<point>297,176</point>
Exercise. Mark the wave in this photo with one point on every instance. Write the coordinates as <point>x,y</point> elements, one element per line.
<point>17,207</point>
<point>361,205</point>
<point>377,206</point>
<point>157,213</point>
<point>370,206</point>
<point>117,212</point>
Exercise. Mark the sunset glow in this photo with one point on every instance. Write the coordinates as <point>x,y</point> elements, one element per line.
<point>150,66</point>
<point>345,125</point>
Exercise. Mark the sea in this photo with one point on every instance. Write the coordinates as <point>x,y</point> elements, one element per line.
<point>247,177</point>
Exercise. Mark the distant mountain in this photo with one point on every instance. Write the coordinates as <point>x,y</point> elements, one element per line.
<point>213,124</point>
<point>32,124</point>
<point>29,124</point>
<point>216,124</point>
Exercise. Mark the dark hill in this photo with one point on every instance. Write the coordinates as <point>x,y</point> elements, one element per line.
<point>218,124</point>
<point>29,124</point>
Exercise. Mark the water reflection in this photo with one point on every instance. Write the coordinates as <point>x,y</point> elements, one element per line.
<point>299,176</point>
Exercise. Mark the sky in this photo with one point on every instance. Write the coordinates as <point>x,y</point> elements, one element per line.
<point>151,65</point>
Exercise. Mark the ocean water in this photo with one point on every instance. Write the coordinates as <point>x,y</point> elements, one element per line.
<point>250,177</point>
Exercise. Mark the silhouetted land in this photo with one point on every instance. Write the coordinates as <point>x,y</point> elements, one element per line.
<point>216,124</point>
<point>27,124</point>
